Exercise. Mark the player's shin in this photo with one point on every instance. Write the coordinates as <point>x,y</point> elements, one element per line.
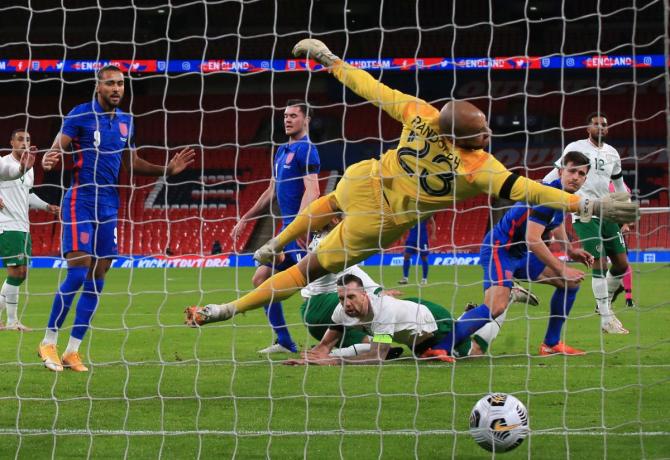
<point>488,333</point>
<point>313,218</point>
<point>86,306</point>
<point>10,292</point>
<point>561,304</point>
<point>280,286</point>
<point>62,302</point>
<point>465,326</point>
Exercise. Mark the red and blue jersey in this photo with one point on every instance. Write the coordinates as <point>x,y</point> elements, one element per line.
<point>510,232</point>
<point>98,142</point>
<point>291,163</point>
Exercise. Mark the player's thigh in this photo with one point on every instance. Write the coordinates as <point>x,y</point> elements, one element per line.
<point>354,239</point>
<point>105,236</point>
<point>78,229</point>
<point>497,265</point>
<point>613,239</point>
<point>15,248</point>
<point>590,237</point>
<point>529,268</point>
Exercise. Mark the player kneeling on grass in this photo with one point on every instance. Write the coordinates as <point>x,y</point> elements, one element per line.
<point>15,242</point>
<point>515,247</point>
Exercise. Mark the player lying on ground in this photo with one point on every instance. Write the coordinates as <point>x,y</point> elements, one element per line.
<point>320,300</point>
<point>103,138</point>
<point>15,242</point>
<point>440,159</point>
<point>516,247</point>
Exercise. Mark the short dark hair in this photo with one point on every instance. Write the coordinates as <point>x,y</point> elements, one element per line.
<point>349,278</point>
<point>107,68</point>
<point>18,130</point>
<point>302,105</point>
<point>576,158</point>
<point>593,115</point>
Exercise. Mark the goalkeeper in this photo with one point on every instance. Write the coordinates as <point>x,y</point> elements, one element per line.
<point>440,159</point>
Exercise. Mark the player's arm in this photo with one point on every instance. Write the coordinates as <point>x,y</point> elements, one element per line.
<point>140,166</point>
<point>492,177</point>
<point>329,340</point>
<point>377,353</point>
<point>402,107</point>
<point>312,190</point>
<point>578,255</point>
<point>12,171</point>
<point>432,225</point>
<point>534,241</point>
<point>261,206</point>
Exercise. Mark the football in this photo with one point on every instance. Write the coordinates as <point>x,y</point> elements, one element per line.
<point>499,422</point>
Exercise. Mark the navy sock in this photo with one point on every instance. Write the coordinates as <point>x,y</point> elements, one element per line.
<point>561,304</point>
<point>275,314</point>
<point>86,306</point>
<point>464,327</point>
<point>63,301</point>
<point>424,266</point>
<point>405,267</point>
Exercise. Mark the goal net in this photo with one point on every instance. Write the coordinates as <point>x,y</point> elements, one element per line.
<point>216,76</point>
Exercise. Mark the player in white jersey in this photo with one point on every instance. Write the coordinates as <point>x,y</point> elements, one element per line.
<point>601,238</point>
<point>15,243</point>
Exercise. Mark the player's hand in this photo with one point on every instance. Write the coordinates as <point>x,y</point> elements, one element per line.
<point>239,228</point>
<point>392,292</point>
<point>580,255</point>
<point>315,49</point>
<point>180,161</point>
<point>572,274</point>
<point>294,362</point>
<point>27,159</point>
<point>53,209</point>
<point>625,228</point>
<point>50,160</point>
<point>616,207</point>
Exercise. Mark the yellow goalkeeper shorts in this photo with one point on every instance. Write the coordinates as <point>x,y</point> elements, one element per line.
<point>369,223</point>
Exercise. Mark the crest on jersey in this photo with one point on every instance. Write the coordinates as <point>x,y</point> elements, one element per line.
<point>289,158</point>
<point>123,129</point>
<point>84,237</point>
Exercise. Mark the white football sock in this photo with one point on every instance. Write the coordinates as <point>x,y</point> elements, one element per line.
<point>11,297</point>
<point>73,345</point>
<point>600,292</point>
<point>613,283</point>
<point>490,330</point>
<point>354,350</point>
<point>50,337</point>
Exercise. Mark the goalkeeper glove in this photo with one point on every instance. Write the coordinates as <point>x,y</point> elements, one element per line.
<point>616,207</point>
<point>269,253</point>
<point>315,49</point>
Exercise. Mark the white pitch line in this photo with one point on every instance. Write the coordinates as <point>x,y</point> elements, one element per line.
<point>68,432</point>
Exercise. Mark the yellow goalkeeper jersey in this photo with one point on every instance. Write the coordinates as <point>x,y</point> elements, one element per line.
<point>429,170</point>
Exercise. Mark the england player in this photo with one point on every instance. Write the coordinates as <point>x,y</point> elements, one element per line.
<point>295,183</point>
<point>440,159</point>
<point>15,242</point>
<point>601,237</point>
<point>102,139</point>
<point>417,241</point>
<point>516,248</point>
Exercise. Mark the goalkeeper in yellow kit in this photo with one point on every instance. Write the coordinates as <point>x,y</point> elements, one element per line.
<point>440,159</point>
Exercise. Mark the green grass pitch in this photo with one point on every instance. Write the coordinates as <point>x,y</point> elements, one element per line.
<point>158,389</point>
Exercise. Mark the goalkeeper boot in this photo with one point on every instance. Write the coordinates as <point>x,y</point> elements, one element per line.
<point>438,354</point>
<point>73,362</point>
<point>560,349</point>
<point>520,294</point>
<point>48,353</point>
<point>198,316</point>
<point>267,253</point>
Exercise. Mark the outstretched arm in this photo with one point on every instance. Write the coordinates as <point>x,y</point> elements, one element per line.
<point>177,164</point>
<point>402,107</point>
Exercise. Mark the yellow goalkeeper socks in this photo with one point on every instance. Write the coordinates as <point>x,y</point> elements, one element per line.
<point>275,289</point>
<point>313,218</point>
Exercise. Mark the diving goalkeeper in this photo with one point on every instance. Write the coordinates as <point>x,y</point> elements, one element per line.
<point>440,159</point>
